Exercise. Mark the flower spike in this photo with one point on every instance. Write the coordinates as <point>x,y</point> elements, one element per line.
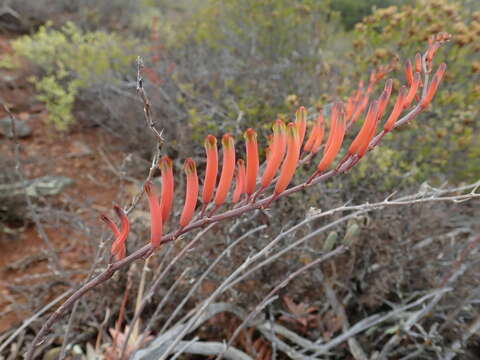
<point>156,224</point>
<point>228,168</point>
<point>240,181</point>
<point>211,171</point>
<point>252,161</point>
<point>191,192</point>
<point>291,160</point>
<point>168,184</point>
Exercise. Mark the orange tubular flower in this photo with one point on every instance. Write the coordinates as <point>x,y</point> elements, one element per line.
<point>365,130</point>
<point>211,171</point>
<point>291,160</point>
<point>397,110</point>
<point>156,224</point>
<point>301,121</point>
<point>240,183</point>
<point>412,91</point>
<point>276,154</point>
<point>321,132</point>
<point>228,168</point>
<point>335,139</point>
<point>418,63</point>
<point>409,72</point>
<point>166,201</point>
<point>191,193</point>
<point>432,89</point>
<point>252,161</point>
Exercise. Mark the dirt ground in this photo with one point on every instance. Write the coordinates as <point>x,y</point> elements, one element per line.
<point>47,152</point>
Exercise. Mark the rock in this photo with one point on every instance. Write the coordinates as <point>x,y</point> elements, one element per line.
<point>21,128</point>
<point>78,149</point>
<point>36,188</point>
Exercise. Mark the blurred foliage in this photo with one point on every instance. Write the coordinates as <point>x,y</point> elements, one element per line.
<point>69,60</point>
<point>445,140</point>
<point>353,11</point>
<point>242,63</point>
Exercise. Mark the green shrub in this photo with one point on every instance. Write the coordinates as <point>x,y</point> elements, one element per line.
<point>447,147</point>
<point>70,60</point>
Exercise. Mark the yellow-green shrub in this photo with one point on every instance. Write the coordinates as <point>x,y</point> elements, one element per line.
<point>446,146</point>
<point>70,60</point>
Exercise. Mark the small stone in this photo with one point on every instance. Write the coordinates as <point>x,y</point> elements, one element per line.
<point>21,128</point>
<point>78,149</point>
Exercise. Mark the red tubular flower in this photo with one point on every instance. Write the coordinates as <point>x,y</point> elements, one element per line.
<point>240,181</point>
<point>359,110</point>
<point>397,110</point>
<point>409,72</point>
<point>211,171</point>
<point>371,82</point>
<point>432,89</point>
<point>418,63</point>
<point>228,168</point>
<point>311,139</point>
<point>431,51</point>
<point>412,91</point>
<point>349,109</point>
<point>124,230</point>
<point>365,141</point>
<point>276,154</point>
<point>166,200</point>
<point>365,130</point>
<point>252,161</point>
<point>359,93</point>
<point>384,98</point>
<point>291,160</point>
<point>117,247</point>
<point>191,192</point>
<point>156,224</point>
<point>321,132</point>
<point>301,122</point>
<point>335,139</point>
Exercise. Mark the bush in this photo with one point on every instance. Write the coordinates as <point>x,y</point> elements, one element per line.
<point>71,60</point>
<point>448,141</point>
<point>241,63</point>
